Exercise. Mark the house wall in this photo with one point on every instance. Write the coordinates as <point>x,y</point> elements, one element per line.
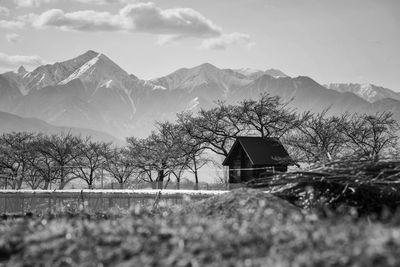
<point>239,162</point>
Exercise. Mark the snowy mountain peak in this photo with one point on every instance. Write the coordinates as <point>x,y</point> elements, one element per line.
<point>275,73</point>
<point>82,70</point>
<point>98,69</point>
<point>255,73</point>
<point>206,67</point>
<point>22,71</point>
<point>90,53</point>
<point>367,91</point>
<point>248,70</point>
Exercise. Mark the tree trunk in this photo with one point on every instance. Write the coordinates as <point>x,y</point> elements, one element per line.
<point>160,179</point>
<point>20,180</point>
<point>153,184</point>
<point>62,184</point>
<point>46,184</point>
<point>196,177</point>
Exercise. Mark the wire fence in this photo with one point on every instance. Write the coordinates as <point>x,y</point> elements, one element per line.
<point>104,180</point>
<point>208,179</point>
<point>39,201</point>
<point>113,195</point>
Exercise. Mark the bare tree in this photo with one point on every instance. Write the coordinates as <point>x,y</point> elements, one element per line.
<point>188,152</point>
<point>216,127</point>
<point>41,163</point>
<point>369,136</point>
<point>14,156</point>
<point>160,152</point>
<point>141,157</point>
<point>267,116</point>
<point>62,150</point>
<point>119,165</point>
<point>90,160</point>
<point>318,137</point>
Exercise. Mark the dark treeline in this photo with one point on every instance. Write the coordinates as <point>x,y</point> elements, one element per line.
<point>37,160</point>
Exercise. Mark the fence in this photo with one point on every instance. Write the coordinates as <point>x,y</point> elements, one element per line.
<point>22,201</point>
<point>208,177</point>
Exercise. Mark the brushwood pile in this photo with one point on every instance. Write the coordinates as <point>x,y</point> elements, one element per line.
<point>366,187</point>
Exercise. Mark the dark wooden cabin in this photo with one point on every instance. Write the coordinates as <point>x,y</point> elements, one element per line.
<point>250,157</point>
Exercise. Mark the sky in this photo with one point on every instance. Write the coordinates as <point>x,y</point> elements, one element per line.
<point>329,40</point>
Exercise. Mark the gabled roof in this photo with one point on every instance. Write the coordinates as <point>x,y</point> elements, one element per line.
<point>261,151</point>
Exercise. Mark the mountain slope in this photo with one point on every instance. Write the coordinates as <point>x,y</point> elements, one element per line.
<point>13,123</point>
<point>255,74</point>
<point>205,81</point>
<point>87,91</point>
<point>369,92</point>
<point>92,91</point>
<point>303,93</point>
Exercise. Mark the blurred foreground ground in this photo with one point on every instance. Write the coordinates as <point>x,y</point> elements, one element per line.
<point>242,228</point>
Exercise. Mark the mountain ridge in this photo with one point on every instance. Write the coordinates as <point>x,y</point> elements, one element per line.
<point>368,91</point>
<point>13,123</point>
<point>92,91</point>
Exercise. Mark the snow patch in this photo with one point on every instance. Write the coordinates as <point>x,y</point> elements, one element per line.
<point>248,71</point>
<point>193,103</point>
<point>41,79</point>
<point>159,87</point>
<point>82,70</point>
<point>107,84</point>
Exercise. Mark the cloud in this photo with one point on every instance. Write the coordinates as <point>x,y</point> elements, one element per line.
<point>32,3</point>
<point>105,2</point>
<point>141,17</point>
<point>4,12</point>
<point>38,3</point>
<point>14,38</point>
<point>222,42</point>
<point>147,17</point>
<point>8,61</point>
<point>11,24</point>
<point>86,20</point>
<point>171,25</point>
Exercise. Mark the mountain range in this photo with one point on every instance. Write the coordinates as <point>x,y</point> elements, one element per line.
<point>13,123</point>
<point>93,92</point>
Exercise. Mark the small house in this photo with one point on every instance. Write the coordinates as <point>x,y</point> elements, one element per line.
<point>250,157</point>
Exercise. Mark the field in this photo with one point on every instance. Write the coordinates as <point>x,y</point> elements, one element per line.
<point>241,228</point>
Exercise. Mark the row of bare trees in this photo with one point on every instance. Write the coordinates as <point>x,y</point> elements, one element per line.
<point>178,148</point>
<point>322,138</point>
<point>37,160</point>
<point>309,137</point>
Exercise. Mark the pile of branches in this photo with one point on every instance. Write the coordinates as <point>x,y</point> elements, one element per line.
<point>365,186</point>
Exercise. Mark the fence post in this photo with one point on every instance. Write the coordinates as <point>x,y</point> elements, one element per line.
<point>102,175</point>
<point>49,202</point>
<point>110,201</point>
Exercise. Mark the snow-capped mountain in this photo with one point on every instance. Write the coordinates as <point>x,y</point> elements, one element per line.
<point>369,92</point>
<point>92,91</point>
<point>87,91</point>
<point>204,81</point>
<point>254,73</point>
